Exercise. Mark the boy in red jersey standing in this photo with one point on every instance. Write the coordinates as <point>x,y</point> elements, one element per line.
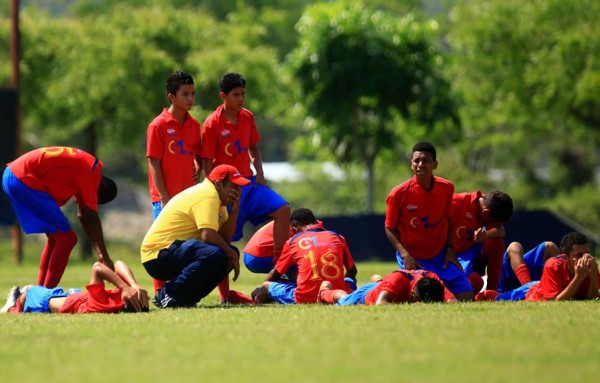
<point>41,181</point>
<point>173,146</point>
<point>320,255</point>
<point>229,136</point>
<point>417,223</point>
<point>478,231</point>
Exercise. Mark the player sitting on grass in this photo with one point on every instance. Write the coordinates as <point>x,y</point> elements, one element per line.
<point>572,275</point>
<point>519,269</point>
<point>128,296</point>
<point>400,286</point>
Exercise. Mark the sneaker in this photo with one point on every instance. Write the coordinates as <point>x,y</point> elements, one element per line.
<point>11,299</point>
<point>376,278</point>
<point>325,285</point>
<point>237,298</point>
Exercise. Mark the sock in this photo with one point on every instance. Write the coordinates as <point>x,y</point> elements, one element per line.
<point>65,242</point>
<point>326,296</point>
<point>476,282</point>
<point>45,258</point>
<point>158,284</point>
<point>494,250</point>
<point>486,295</point>
<point>523,274</point>
<point>224,289</point>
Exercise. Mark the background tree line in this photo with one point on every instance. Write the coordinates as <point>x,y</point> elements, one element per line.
<point>506,90</point>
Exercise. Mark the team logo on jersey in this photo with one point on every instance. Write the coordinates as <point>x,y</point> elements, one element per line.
<point>412,207</point>
<point>225,133</point>
<point>171,132</point>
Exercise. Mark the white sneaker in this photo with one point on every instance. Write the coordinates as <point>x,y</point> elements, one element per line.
<point>11,299</point>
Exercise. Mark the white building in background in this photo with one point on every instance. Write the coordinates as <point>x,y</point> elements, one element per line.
<point>284,171</point>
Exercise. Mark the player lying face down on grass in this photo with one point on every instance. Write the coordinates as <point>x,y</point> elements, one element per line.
<point>400,286</point>
<point>127,297</point>
<point>319,254</point>
<point>189,243</point>
<point>41,181</point>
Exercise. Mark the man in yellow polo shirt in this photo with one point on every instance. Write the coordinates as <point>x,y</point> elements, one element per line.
<point>188,244</point>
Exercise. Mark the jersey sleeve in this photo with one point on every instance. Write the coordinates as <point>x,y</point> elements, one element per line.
<point>395,283</point>
<point>154,142</point>
<point>285,259</point>
<point>87,193</point>
<point>209,143</point>
<point>392,211</point>
<point>552,280</point>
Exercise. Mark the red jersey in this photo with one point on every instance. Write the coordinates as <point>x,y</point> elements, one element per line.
<point>175,146</point>
<point>320,255</point>
<point>556,278</point>
<point>420,216</point>
<point>62,173</point>
<point>464,213</point>
<point>96,299</point>
<point>400,284</point>
<point>261,244</point>
<point>224,142</point>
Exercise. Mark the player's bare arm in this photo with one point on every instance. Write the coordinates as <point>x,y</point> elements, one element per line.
<point>90,221</point>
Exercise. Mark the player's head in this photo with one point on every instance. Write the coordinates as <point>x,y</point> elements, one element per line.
<point>428,290</point>
<point>424,159</point>
<point>227,180</point>
<point>574,244</point>
<point>302,217</point>
<point>499,206</point>
<point>230,81</point>
<point>261,295</point>
<point>107,190</point>
<point>176,81</point>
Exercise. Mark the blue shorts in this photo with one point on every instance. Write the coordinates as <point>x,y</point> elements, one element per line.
<point>282,292</point>
<point>259,265</point>
<point>38,297</point>
<point>517,294</point>
<point>257,203</point>
<point>454,278</point>
<point>36,210</point>
<point>470,259</point>
<point>156,209</point>
<point>358,296</point>
<point>534,260</point>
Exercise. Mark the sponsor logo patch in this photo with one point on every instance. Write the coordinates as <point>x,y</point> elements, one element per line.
<point>171,132</point>
<point>225,133</point>
<point>412,207</point>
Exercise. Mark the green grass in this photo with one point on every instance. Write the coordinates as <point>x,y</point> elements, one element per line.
<point>476,342</point>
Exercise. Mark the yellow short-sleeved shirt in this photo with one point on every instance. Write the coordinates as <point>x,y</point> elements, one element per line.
<point>197,207</point>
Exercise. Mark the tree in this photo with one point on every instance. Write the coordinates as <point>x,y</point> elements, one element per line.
<point>529,74</point>
<point>358,68</point>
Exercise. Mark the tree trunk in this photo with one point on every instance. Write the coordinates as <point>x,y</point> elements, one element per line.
<point>370,164</point>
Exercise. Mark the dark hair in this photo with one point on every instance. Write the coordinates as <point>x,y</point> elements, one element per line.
<point>428,290</point>
<point>425,147</point>
<point>302,217</point>
<point>231,81</point>
<point>176,80</point>
<point>573,238</point>
<point>107,190</point>
<point>500,205</point>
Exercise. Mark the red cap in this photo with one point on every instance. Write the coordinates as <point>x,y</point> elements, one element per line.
<point>220,172</point>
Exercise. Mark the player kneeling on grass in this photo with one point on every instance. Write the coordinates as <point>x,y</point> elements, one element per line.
<point>400,286</point>
<point>318,253</point>
<point>127,297</point>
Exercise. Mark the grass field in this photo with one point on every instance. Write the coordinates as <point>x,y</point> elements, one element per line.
<point>468,342</point>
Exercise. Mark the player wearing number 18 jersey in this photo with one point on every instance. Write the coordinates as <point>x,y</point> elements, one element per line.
<point>320,255</point>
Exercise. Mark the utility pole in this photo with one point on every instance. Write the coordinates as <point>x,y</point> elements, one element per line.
<point>17,237</point>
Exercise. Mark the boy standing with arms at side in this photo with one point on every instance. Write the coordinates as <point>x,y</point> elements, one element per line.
<point>173,146</point>
<point>229,136</point>
<point>417,223</point>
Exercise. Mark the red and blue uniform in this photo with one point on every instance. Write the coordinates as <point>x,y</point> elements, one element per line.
<point>400,284</point>
<point>176,146</point>
<point>474,256</point>
<point>258,253</point>
<point>224,142</point>
<point>534,260</point>
<point>320,255</point>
